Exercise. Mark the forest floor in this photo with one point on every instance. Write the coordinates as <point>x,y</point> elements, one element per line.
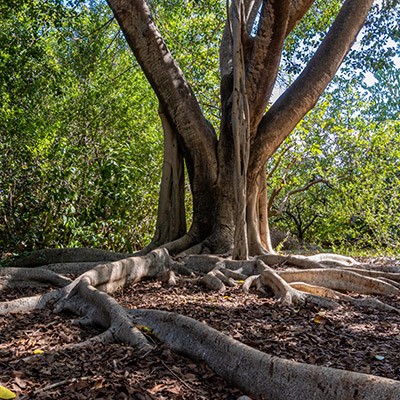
<point>349,338</point>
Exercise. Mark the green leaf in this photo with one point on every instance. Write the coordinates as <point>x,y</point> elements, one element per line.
<point>6,393</point>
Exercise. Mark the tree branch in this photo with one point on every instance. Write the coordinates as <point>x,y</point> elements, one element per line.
<point>277,20</point>
<point>281,207</point>
<point>277,190</point>
<point>302,95</point>
<point>167,80</point>
<point>266,55</point>
<point>297,10</point>
<point>278,162</point>
<point>196,136</point>
<point>262,55</point>
<point>251,10</point>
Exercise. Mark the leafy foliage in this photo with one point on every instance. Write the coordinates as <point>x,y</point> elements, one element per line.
<point>348,144</point>
<point>354,163</point>
<point>80,150</point>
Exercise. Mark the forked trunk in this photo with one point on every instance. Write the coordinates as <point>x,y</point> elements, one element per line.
<point>249,65</point>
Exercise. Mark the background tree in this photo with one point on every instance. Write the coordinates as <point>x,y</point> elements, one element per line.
<point>79,149</point>
<point>325,144</point>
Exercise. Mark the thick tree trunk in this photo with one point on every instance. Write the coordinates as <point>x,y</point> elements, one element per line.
<point>257,216</point>
<point>210,162</point>
<point>241,130</point>
<point>196,136</point>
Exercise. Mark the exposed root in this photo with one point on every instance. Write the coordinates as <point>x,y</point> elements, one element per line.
<point>107,278</point>
<point>234,275</point>
<point>25,304</point>
<point>259,373</point>
<point>88,296</point>
<point>363,302</point>
<point>212,282</point>
<point>249,283</point>
<point>168,278</point>
<point>113,276</point>
<point>51,256</point>
<point>370,302</point>
<point>393,283</point>
<point>74,268</point>
<point>254,281</point>
<point>289,295</point>
<point>199,263</point>
<point>295,261</point>
<point>98,308</point>
<point>206,263</point>
<point>320,284</point>
<point>390,276</point>
<point>342,280</point>
<point>220,272</point>
<point>383,268</point>
<point>332,260</point>
<point>23,277</point>
<point>317,290</point>
<point>315,261</point>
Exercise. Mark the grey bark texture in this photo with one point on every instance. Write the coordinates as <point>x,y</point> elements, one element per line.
<point>260,373</point>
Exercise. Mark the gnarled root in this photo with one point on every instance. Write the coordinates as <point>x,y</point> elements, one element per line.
<point>88,296</point>
<point>25,304</point>
<point>364,302</point>
<point>98,308</point>
<point>321,285</point>
<point>22,277</point>
<point>218,278</point>
<point>286,293</point>
<point>259,373</point>
<point>51,256</point>
<point>342,280</point>
<point>316,261</point>
<point>106,277</point>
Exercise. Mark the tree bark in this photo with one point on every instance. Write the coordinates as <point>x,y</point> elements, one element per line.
<point>302,95</point>
<point>210,164</point>
<point>257,372</point>
<point>196,135</point>
<point>171,216</point>
<point>240,130</point>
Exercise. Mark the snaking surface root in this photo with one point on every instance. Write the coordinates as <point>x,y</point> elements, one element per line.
<point>324,281</point>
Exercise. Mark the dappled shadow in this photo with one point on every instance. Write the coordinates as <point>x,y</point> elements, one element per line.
<point>347,338</point>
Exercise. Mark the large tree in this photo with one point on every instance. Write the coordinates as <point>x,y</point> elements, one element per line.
<point>224,167</point>
<point>227,178</point>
